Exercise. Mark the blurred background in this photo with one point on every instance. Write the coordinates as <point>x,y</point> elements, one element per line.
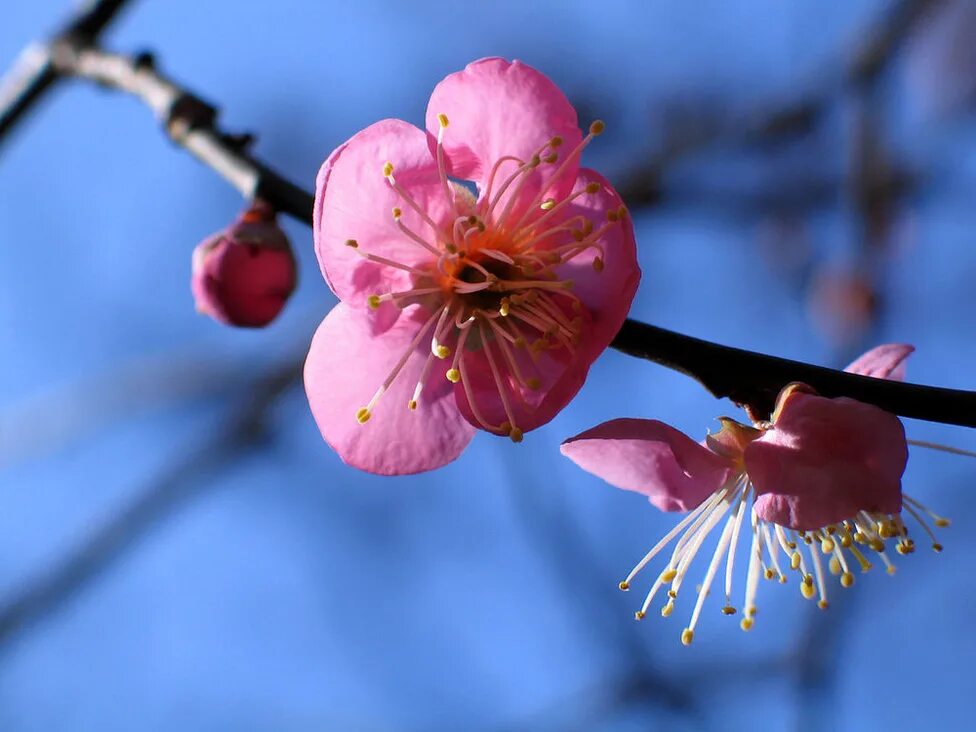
<point>180,550</point>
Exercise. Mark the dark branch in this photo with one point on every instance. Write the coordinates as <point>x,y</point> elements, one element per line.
<point>748,378</point>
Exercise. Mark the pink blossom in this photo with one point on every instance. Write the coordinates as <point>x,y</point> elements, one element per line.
<point>244,275</point>
<point>460,311</point>
<point>822,479</point>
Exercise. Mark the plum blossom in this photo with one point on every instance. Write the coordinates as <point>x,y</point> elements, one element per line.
<point>818,484</point>
<point>480,271</point>
<point>245,274</point>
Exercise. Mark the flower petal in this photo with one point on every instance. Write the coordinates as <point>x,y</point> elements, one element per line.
<point>353,200</point>
<point>825,460</point>
<point>346,364</point>
<point>883,362</point>
<point>560,378</point>
<point>497,108</point>
<point>606,294</point>
<point>649,457</point>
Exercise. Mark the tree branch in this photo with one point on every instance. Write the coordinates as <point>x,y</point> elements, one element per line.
<point>748,378</point>
<point>34,72</point>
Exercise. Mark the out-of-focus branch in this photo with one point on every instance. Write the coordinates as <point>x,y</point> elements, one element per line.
<point>748,378</point>
<point>876,48</point>
<point>107,542</point>
<point>35,73</point>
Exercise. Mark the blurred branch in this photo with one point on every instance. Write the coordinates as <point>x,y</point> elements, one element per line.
<point>241,430</point>
<point>748,378</point>
<point>875,50</point>
<point>35,73</point>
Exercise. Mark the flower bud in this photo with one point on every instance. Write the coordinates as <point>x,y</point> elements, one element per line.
<point>244,275</point>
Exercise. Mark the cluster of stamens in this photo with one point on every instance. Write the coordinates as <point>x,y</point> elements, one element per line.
<point>489,280</point>
<point>841,547</point>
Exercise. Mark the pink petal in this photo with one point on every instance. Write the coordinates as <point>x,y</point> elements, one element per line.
<point>883,362</point>
<point>652,458</point>
<point>607,295</point>
<point>497,108</point>
<point>560,379</point>
<point>353,200</point>
<point>825,460</point>
<point>346,364</point>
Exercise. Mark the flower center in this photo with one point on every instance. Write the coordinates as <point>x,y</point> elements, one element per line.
<point>492,279</point>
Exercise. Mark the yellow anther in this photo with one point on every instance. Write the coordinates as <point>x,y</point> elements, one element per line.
<point>625,585</point>
<point>363,415</point>
<point>782,579</point>
<point>667,609</point>
<point>505,307</point>
<point>822,604</point>
<point>876,544</point>
<point>892,569</point>
<point>827,545</point>
<point>942,522</point>
<point>397,213</point>
<point>847,579</point>
<point>533,383</point>
<point>860,538</point>
<point>597,264</point>
<point>592,187</point>
<point>412,404</point>
<point>795,560</point>
<point>387,169</point>
<point>550,158</point>
<point>556,141</point>
<point>751,611</point>
<point>672,594</point>
<point>597,127</point>
<point>442,120</point>
<point>846,541</point>
<point>769,574</point>
<point>669,574</point>
<point>352,243</point>
<point>622,212</point>
<point>548,204</point>
<point>515,435</point>
<point>807,589</point>
<point>937,547</point>
<point>373,301</point>
<point>453,375</point>
<point>746,623</point>
<point>687,636</point>
<point>728,610</point>
<point>639,615</point>
<point>834,565</point>
<point>442,351</point>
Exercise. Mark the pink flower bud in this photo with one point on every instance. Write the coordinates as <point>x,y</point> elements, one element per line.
<point>244,275</point>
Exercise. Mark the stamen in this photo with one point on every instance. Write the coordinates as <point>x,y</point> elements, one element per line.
<point>441,167</point>
<point>363,414</point>
<point>515,433</point>
<point>720,550</point>
<point>407,198</point>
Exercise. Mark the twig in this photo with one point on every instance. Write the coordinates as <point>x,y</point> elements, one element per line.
<point>34,72</point>
<point>748,378</point>
<point>132,522</point>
